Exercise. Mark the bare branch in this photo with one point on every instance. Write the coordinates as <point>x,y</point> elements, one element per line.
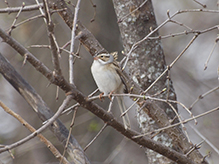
<point>40,107</point>
<point>116,151</point>
<point>173,62</point>
<point>54,45</point>
<point>134,46</point>
<point>101,113</point>
<point>41,129</point>
<point>70,130</point>
<point>195,147</point>
<point>200,3</point>
<point>205,139</point>
<point>12,26</point>
<point>80,98</point>
<point>28,20</point>
<point>185,33</point>
<point>42,138</point>
<point>71,59</point>
<point>176,124</point>
<point>206,63</point>
<point>94,6</point>
<point>84,35</point>
<point>202,96</point>
<point>25,8</point>
<point>137,8</point>
<point>98,134</point>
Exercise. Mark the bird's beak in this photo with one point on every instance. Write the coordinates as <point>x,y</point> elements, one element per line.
<point>95,58</point>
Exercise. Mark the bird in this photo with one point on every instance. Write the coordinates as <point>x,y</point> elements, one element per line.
<point>109,79</point>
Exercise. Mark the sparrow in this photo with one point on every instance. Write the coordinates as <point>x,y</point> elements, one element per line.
<point>110,79</point>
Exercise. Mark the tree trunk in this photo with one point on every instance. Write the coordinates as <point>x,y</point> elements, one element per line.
<point>136,20</point>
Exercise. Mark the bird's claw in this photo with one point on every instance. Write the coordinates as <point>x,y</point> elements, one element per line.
<point>101,97</point>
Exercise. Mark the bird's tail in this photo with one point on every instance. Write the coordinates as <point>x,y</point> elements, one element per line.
<point>122,108</point>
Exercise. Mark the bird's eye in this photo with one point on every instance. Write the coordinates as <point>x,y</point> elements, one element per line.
<point>101,56</point>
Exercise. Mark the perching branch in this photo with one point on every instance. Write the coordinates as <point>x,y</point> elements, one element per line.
<point>92,107</point>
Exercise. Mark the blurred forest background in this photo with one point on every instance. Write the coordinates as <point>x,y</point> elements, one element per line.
<point>188,75</point>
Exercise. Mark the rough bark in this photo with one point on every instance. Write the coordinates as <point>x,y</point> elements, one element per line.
<point>146,64</point>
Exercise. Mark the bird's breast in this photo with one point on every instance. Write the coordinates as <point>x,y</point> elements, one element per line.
<point>105,77</point>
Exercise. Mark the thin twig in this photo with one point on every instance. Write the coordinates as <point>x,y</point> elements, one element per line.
<point>42,138</point>
<point>173,62</point>
<point>173,101</point>
<point>98,134</point>
<point>12,26</point>
<point>200,3</point>
<point>77,104</point>
<point>181,122</point>
<point>197,10</point>
<point>138,97</point>
<point>184,33</point>
<point>69,134</point>
<point>16,9</point>
<point>125,17</point>
<point>94,6</point>
<point>111,104</point>
<point>168,85</point>
<point>202,96</point>
<point>206,63</point>
<point>32,18</point>
<point>77,53</point>
<point>134,46</point>
<point>116,151</point>
<point>54,45</point>
<point>181,24</point>
<point>176,124</point>
<point>41,129</point>
<point>71,59</point>
<point>70,109</point>
<point>28,20</point>
<point>195,147</point>
<point>7,4</point>
<point>92,93</point>
<point>130,107</point>
<point>57,93</point>
<point>205,139</point>
<point>41,9</point>
<point>49,47</point>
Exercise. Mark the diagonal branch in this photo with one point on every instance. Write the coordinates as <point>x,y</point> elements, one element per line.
<point>107,117</point>
<point>32,129</point>
<point>41,108</point>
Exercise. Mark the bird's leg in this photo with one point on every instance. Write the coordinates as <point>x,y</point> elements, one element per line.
<point>101,97</point>
<point>110,95</point>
